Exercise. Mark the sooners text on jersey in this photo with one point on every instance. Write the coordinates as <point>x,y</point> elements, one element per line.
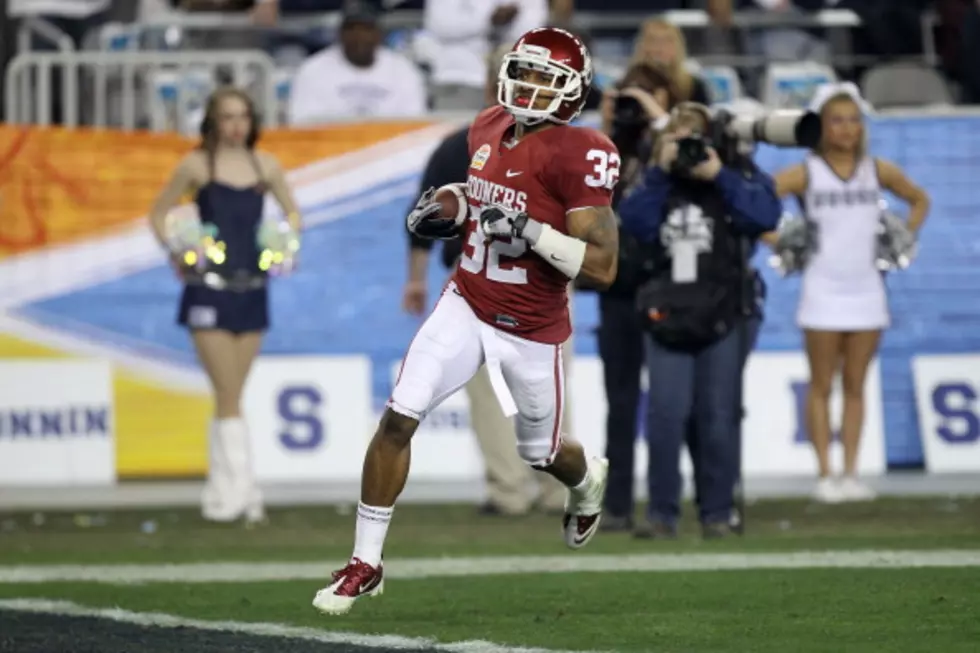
<point>547,174</point>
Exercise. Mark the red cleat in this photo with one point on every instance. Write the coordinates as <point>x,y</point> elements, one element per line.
<point>347,585</point>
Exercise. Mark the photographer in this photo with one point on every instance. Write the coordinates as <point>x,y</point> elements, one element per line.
<point>700,208</point>
<point>643,96</point>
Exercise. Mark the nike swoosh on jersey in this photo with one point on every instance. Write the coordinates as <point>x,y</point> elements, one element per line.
<point>511,173</point>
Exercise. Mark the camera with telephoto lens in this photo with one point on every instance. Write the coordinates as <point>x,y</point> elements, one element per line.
<point>728,132</point>
<point>782,127</point>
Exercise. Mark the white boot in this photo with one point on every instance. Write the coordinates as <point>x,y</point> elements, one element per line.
<point>239,449</point>
<point>240,494</point>
<point>219,488</point>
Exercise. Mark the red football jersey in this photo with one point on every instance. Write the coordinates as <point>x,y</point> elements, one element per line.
<point>546,174</point>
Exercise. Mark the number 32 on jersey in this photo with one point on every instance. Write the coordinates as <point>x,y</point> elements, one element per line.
<point>605,173</point>
<point>488,254</point>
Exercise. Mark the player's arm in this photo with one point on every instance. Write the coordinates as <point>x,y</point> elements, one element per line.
<point>597,227</point>
<point>585,182</point>
<point>181,182</point>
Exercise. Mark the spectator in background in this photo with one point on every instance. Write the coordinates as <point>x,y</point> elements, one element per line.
<point>358,77</point>
<point>463,33</point>
<point>506,474</point>
<point>662,44</point>
<point>958,42</point>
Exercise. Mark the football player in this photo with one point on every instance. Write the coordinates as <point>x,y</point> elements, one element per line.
<point>539,192</point>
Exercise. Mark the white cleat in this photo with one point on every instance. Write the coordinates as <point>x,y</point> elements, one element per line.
<point>352,582</point>
<point>583,512</point>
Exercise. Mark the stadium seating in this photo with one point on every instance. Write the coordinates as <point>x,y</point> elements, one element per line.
<point>904,84</point>
<point>791,85</point>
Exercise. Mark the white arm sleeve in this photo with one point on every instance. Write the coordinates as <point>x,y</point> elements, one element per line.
<point>562,252</point>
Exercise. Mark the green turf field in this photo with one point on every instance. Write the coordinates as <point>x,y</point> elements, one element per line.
<point>758,609</point>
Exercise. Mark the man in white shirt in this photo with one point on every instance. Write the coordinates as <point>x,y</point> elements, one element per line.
<point>357,77</point>
<point>463,32</point>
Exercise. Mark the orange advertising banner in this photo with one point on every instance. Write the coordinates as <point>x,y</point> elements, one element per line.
<point>59,185</point>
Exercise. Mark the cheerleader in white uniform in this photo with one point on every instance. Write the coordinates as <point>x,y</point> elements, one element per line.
<point>843,305</point>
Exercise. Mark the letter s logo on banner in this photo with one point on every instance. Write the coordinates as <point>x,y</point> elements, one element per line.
<point>299,407</point>
<point>955,402</point>
<point>947,396</point>
<point>309,417</point>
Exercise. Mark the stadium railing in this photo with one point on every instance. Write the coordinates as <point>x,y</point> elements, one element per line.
<point>147,96</point>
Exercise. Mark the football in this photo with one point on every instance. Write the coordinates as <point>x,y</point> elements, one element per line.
<point>452,197</point>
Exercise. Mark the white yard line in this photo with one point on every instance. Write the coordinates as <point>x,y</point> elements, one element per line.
<point>158,620</point>
<point>405,568</point>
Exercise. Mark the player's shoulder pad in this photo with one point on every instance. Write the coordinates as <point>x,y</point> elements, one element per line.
<point>484,122</point>
<point>576,137</point>
<point>576,142</point>
<point>594,138</point>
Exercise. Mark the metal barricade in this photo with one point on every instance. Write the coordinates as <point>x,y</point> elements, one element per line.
<point>34,27</point>
<point>105,89</point>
